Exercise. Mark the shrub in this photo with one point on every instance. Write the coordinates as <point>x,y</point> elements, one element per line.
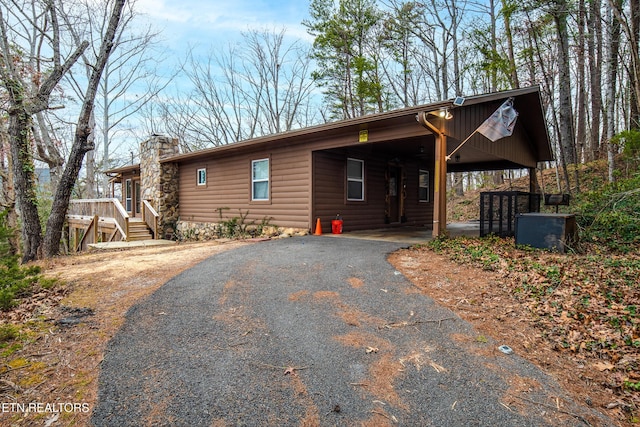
<point>609,215</point>
<point>8,333</point>
<point>15,280</point>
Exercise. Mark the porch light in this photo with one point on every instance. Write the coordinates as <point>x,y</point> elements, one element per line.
<point>443,113</point>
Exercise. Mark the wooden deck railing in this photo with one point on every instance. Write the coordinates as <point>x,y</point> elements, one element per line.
<point>150,217</point>
<point>102,208</point>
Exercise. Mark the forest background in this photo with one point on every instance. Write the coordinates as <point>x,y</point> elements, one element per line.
<point>360,57</point>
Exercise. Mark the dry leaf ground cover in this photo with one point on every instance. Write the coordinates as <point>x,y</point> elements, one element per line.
<point>575,315</point>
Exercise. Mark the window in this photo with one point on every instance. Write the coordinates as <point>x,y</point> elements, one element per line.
<point>136,185</point>
<point>423,184</point>
<point>127,195</point>
<point>260,179</point>
<point>355,179</point>
<point>202,176</point>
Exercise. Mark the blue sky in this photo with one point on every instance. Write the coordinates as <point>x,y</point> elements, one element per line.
<point>214,23</point>
<point>211,26</point>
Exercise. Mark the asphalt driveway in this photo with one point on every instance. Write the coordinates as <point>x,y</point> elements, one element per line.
<point>312,331</point>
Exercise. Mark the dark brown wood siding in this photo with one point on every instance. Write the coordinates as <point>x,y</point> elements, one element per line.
<point>229,186</point>
<point>329,191</point>
<point>517,148</point>
<point>418,213</point>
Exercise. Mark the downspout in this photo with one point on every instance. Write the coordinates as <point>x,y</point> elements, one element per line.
<point>440,178</point>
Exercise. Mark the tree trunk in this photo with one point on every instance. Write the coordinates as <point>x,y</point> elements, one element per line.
<point>22,106</point>
<point>90,180</point>
<point>506,13</point>
<point>567,138</point>
<point>458,182</point>
<point>497,177</point>
<point>634,74</point>
<point>595,69</point>
<point>25,181</point>
<point>612,76</point>
<point>9,197</point>
<point>81,141</point>
<point>90,163</point>
<point>581,102</point>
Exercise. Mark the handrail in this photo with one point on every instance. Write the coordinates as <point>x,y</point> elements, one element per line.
<point>104,208</point>
<point>118,227</point>
<point>150,217</point>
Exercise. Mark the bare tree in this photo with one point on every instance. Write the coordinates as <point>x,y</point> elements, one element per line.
<point>630,25</point>
<point>401,69</point>
<point>48,148</point>
<point>129,79</point>
<point>238,94</point>
<point>595,55</point>
<point>81,143</point>
<point>581,83</point>
<point>29,91</point>
<point>8,193</point>
<point>559,10</point>
<point>612,78</point>
<point>222,111</point>
<point>508,9</point>
<point>277,78</point>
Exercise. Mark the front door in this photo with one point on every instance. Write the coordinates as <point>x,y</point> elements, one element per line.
<point>132,197</point>
<point>394,194</point>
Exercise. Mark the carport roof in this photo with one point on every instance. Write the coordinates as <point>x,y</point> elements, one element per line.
<point>527,102</point>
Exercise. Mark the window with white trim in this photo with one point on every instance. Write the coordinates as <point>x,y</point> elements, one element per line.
<point>423,185</point>
<point>355,180</point>
<point>202,176</point>
<point>128,196</point>
<point>260,179</point>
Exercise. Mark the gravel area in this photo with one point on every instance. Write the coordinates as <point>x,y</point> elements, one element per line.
<point>313,331</point>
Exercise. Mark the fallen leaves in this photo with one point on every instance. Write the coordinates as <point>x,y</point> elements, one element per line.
<point>603,366</point>
<point>586,306</point>
<point>288,370</point>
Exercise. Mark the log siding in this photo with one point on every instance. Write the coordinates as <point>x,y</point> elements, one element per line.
<point>228,191</point>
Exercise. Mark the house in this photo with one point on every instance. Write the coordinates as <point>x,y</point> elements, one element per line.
<point>380,170</point>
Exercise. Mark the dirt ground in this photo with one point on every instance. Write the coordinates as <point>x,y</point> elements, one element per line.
<point>61,364</point>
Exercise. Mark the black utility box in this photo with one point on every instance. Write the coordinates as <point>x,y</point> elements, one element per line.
<point>546,230</point>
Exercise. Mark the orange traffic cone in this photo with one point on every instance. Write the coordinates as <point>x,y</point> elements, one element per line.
<point>318,231</point>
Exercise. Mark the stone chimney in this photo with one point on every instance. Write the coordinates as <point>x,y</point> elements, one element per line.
<point>159,182</point>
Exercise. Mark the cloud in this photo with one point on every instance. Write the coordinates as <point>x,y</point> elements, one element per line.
<point>221,18</point>
<point>159,10</point>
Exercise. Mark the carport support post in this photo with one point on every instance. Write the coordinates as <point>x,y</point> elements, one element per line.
<point>533,181</point>
<point>440,179</point>
<point>440,186</point>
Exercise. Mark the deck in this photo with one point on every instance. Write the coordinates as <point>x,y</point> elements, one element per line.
<point>97,221</point>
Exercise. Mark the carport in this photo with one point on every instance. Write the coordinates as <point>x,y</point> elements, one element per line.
<point>401,159</point>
